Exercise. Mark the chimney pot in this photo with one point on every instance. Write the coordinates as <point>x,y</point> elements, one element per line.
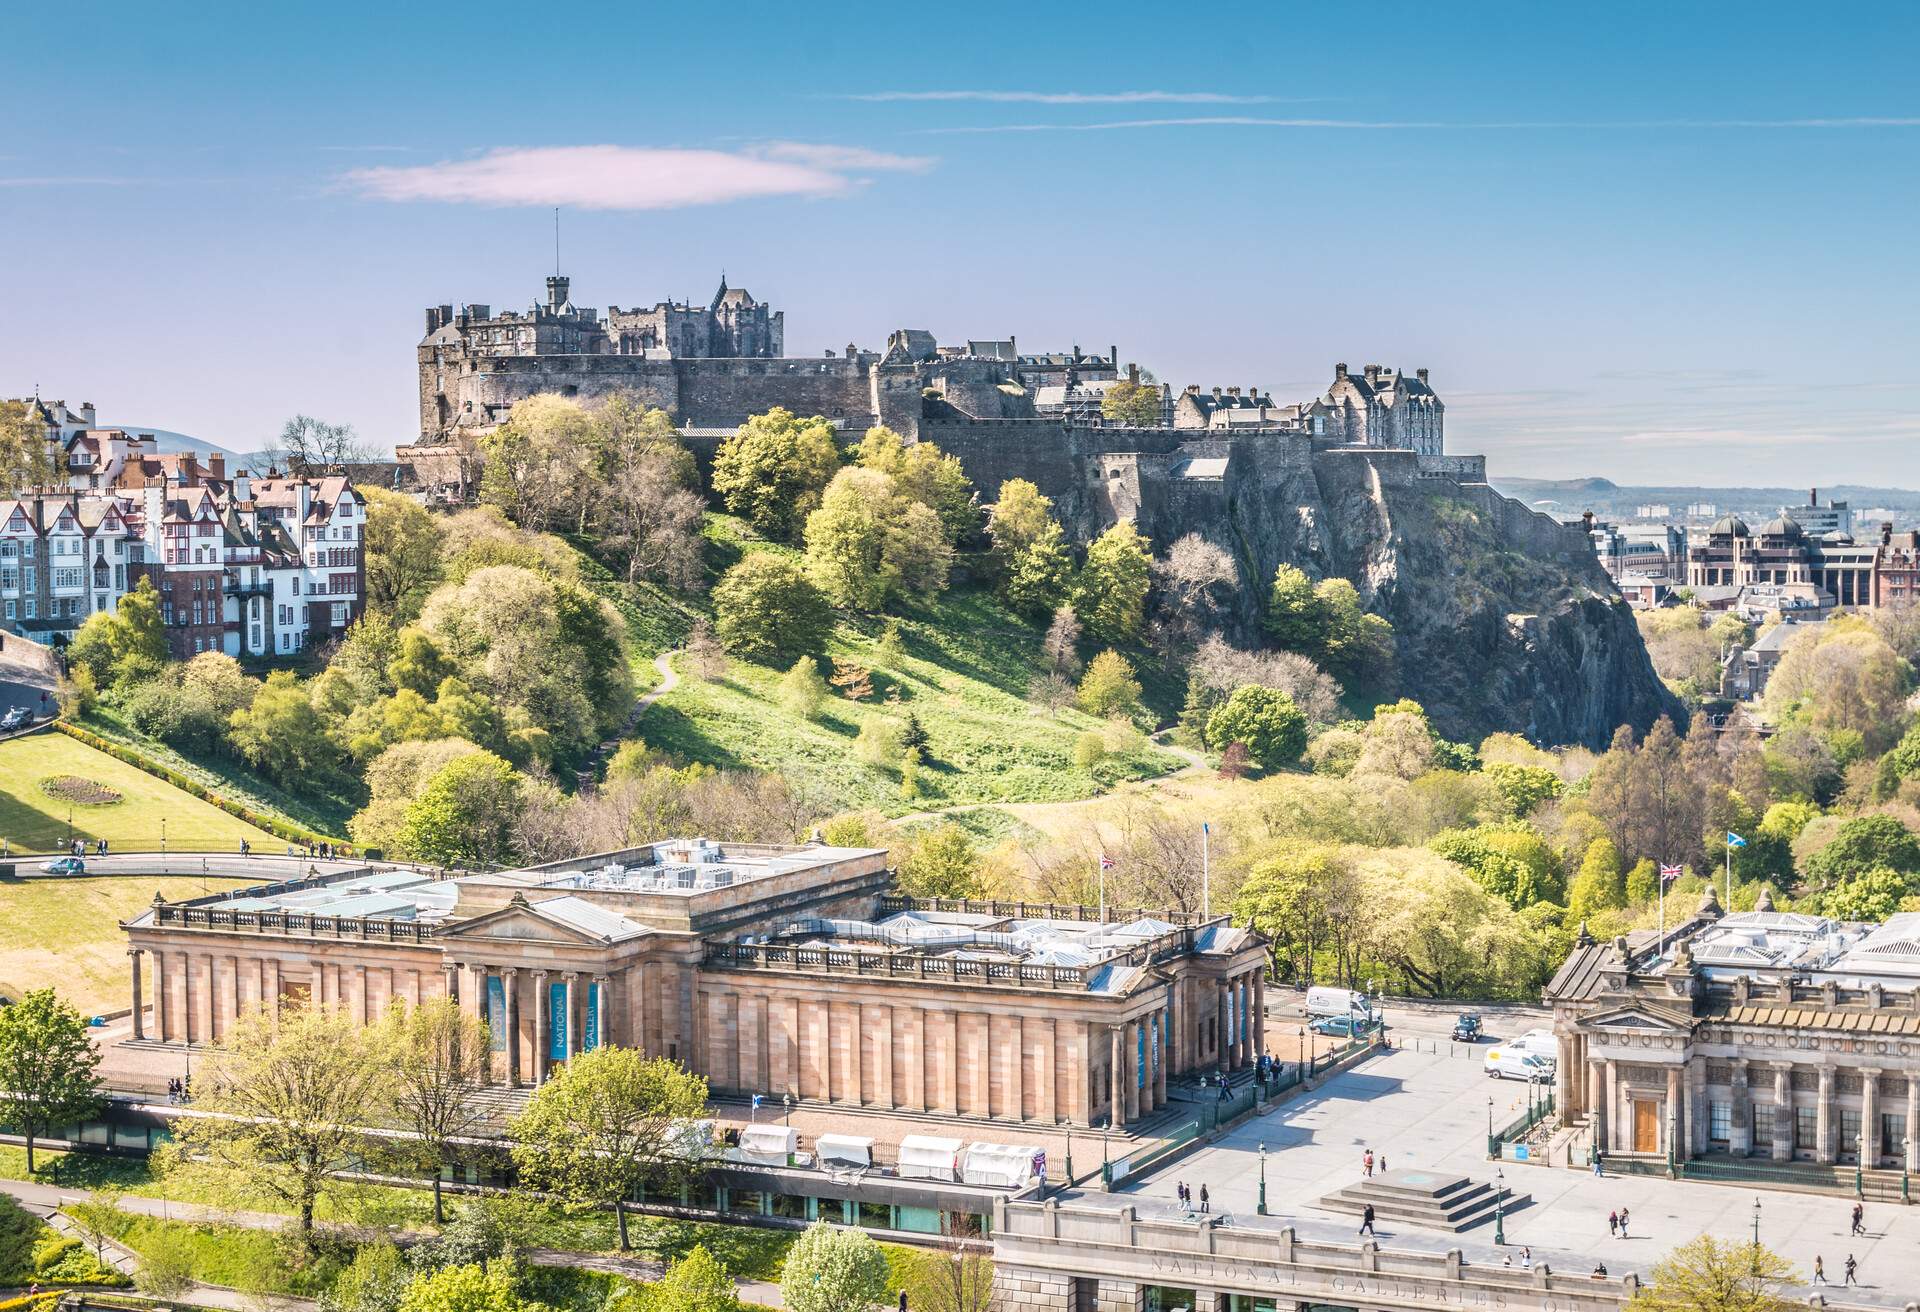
<point>1421,374</point>
<point>1340,371</point>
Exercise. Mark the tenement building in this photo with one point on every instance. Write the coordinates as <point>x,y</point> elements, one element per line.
<point>1762,1034</point>
<point>776,970</point>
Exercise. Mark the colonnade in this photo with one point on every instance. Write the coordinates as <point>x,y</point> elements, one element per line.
<point>556,1034</point>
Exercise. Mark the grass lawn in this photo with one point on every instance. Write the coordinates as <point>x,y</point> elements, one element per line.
<point>32,820</point>
<point>65,933</point>
<point>964,675</point>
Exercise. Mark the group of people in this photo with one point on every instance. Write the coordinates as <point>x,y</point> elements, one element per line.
<point>1367,1162</point>
<point>1617,1223</point>
<point>79,847</point>
<point>1185,1195</point>
<point>323,851</point>
<point>179,1090</point>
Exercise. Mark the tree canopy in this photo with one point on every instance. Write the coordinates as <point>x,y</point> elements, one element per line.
<point>772,471</point>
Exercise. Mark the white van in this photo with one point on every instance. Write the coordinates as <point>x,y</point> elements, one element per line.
<point>1324,1001</point>
<point>1540,1043</point>
<point>1505,1062</point>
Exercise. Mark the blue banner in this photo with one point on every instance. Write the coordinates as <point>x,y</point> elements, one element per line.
<point>590,1030</point>
<point>1154,1025</point>
<point>556,1022</point>
<point>496,1013</point>
<point>1140,1060</point>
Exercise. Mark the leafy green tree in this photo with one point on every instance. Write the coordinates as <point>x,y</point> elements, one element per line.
<point>1510,860</point>
<point>543,465</point>
<point>1601,883</point>
<point>1869,895</point>
<point>868,543</point>
<point>632,433</point>
<point>1033,567</point>
<point>26,458</point>
<point>283,1096</point>
<point>1294,615</point>
<point>924,474</point>
<point>1294,895</point>
<point>1708,1275</point>
<point>1131,402</point>
<point>166,1264</point>
<point>1866,842</point>
<point>1521,788</point>
<point>417,663</point>
<point>831,1269</point>
<point>802,690</point>
<point>767,605</point>
<point>1110,596</point>
<point>696,1282</point>
<point>465,814</point>
<point>774,468</point>
<point>610,1123</point>
<point>375,1281</point>
<point>1354,644</point>
<point>395,780</point>
<point>466,1289</point>
<point>1643,883</point>
<point>1264,721</point>
<point>942,862</point>
<point>281,734</point>
<point>125,645</point>
<point>1904,759</point>
<point>401,552</point>
<point>437,1056</point>
<point>47,1066</point>
<point>1108,687</point>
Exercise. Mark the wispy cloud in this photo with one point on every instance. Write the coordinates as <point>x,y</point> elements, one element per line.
<point>631,177</point>
<point>1069,97</point>
<point>1431,125</point>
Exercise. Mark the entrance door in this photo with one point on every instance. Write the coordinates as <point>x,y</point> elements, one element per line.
<point>1646,1127</point>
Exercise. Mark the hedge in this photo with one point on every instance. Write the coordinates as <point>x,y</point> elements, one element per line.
<point>274,825</point>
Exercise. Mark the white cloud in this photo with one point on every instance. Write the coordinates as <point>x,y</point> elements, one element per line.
<point>1070,97</point>
<point>630,177</point>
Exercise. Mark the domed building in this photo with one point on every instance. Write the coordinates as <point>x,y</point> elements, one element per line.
<point>1783,555</point>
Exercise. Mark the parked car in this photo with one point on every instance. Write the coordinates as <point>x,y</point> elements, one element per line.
<point>1508,1063</point>
<point>14,718</point>
<point>1466,1027</point>
<point>64,865</point>
<point>1342,1027</point>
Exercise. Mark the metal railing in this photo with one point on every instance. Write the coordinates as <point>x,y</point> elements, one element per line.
<point>1515,1131</point>
<point>1868,1184</point>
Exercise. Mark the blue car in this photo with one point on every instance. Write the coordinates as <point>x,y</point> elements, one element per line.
<point>1341,1027</point>
<point>64,865</point>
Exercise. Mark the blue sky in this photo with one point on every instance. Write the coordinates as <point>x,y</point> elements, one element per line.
<point>1659,243</point>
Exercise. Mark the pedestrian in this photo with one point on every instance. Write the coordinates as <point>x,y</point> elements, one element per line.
<point>1366,1164</point>
<point>1613,1224</point>
<point>1206,1204</point>
<point>1366,1220</point>
<point>1819,1270</point>
<point>1859,1218</point>
<point>1526,1258</point>
<point>1853,1269</point>
<point>1595,1154</point>
<point>1623,1223</point>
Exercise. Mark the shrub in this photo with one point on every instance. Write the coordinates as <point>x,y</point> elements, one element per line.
<point>1266,722</point>
<point>1089,749</point>
<point>1109,687</point>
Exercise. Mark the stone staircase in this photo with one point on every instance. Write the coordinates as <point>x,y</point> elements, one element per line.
<point>1426,1200</point>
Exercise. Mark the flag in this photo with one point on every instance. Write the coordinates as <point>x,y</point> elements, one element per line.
<point>756,1102</point>
<point>1106,862</point>
<point>1667,875</point>
<point>1734,840</point>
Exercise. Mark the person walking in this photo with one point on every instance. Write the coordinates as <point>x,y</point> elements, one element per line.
<point>1859,1218</point>
<point>1613,1224</point>
<point>1383,1163</point>
<point>1206,1204</point>
<point>1366,1164</point>
<point>1623,1223</point>
<point>1853,1270</point>
<point>1366,1220</point>
<point>1819,1270</point>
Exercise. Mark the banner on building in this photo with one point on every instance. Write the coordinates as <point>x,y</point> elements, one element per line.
<point>557,1025</point>
<point>496,1013</point>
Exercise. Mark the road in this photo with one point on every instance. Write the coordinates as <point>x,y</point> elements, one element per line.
<point>265,866</point>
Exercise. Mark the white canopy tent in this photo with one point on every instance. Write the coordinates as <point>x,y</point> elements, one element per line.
<point>1003,1165</point>
<point>844,1150</point>
<point>926,1157</point>
<point>766,1145</point>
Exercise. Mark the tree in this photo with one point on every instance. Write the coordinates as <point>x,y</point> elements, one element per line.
<point>464,816</point>
<point>1060,649</point>
<point>375,1281</point>
<point>653,522</point>
<point>437,1057</point>
<point>395,779</point>
<point>922,473</point>
<point>774,468</point>
<point>830,1269</point>
<point>1842,675</point>
<point>1600,885</point>
<point>1864,843</point>
<point>1033,569</point>
<point>957,1276</point>
<point>1190,580</point>
<point>1294,615</point>
<point>1265,722</point>
<point>695,1283</point>
<point>282,1098</point>
<point>308,446</point>
<point>1706,1275</point>
<point>766,605</point>
<point>27,459</point>
<point>47,1066</point>
<point>1353,644</point>
<point>1869,895</point>
<point>1111,593</point>
<point>1291,896</point>
<point>610,1123</point>
<point>281,734</point>
<point>705,656</point>
<point>632,432</point>
<point>543,464</point>
<point>868,543</point>
<point>942,862</point>
<point>1521,788</point>
<point>166,1264</point>
<point>802,691</point>
<point>401,553</point>
<point>1108,687</point>
<point>1131,402</point>
<point>1218,667</point>
<point>465,1289</point>
<point>125,645</point>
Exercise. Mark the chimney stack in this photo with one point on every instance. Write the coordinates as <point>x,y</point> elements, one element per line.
<point>1339,371</point>
<point>216,466</point>
<point>1421,374</point>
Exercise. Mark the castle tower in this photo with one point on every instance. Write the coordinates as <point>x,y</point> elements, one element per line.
<point>557,287</point>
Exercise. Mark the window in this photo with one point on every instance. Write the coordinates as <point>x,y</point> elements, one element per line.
<point>30,608</point>
<point>10,579</point>
<point>67,577</point>
<point>1806,1129</point>
<point>1719,1121</point>
<point>30,579</point>
<point>1763,1128</point>
<point>26,549</point>
<point>296,585</point>
<point>10,608</point>
<point>1849,1133</point>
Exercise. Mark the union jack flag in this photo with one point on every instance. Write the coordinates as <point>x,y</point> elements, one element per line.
<point>1668,874</point>
<point>1106,862</point>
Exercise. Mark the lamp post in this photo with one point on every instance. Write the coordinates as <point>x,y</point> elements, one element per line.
<point>1754,1266</point>
<point>786,1109</point>
<point>1905,1196</point>
<point>1491,1150</point>
<point>1069,1159</point>
<point>1500,1207</point>
<point>1262,1208</point>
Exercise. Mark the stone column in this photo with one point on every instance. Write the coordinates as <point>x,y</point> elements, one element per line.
<point>510,984</point>
<point>1221,1028</point>
<point>605,985</point>
<point>1740,1114</point>
<point>1564,1077</point>
<point>1698,1128</point>
<point>139,1006</point>
<point>1116,1092</point>
<point>1597,1104</point>
<point>1166,1055</point>
<point>573,1015</point>
<point>162,1025</point>
<point>1131,1048</point>
<point>452,972</point>
<point>542,1027</point>
<point>1783,1111</point>
<point>1869,1146</point>
<point>1676,1118</point>
<point>1259,1012</point>
<point>1618,1127</point>
<point>1826,1123</point>
<point>1913,1123</point>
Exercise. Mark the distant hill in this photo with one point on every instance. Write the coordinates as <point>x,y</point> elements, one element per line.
<point>171,442</point>
<point>1570,496</point>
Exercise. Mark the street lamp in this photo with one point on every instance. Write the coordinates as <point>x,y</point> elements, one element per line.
<point>1069,1158</point>
<point>1499,1207</point>
<point>1491,1150</point>
<point>786,1109</point>
<point>1262,1208</point>
<point>1905,1142</point>
<point>1754,1261</point>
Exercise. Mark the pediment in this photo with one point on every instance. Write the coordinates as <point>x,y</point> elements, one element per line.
<point>1638,1018</point>
<point>520,923</point>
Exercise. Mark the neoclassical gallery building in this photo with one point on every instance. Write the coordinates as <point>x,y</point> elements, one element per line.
<point>772,970</point>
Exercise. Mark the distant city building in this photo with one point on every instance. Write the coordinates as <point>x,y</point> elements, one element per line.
<point>1821,520</point>
<point>1658,510</point>
<point>1702,510</point>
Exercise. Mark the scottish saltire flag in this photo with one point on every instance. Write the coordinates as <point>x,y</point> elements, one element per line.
<point>1734,840</point>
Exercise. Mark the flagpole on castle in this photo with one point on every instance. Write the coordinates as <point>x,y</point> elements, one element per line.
<point>1660,873</point>
<point>1206,880</point>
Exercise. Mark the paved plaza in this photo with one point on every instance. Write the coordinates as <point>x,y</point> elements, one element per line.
<point>1428,1110</point>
